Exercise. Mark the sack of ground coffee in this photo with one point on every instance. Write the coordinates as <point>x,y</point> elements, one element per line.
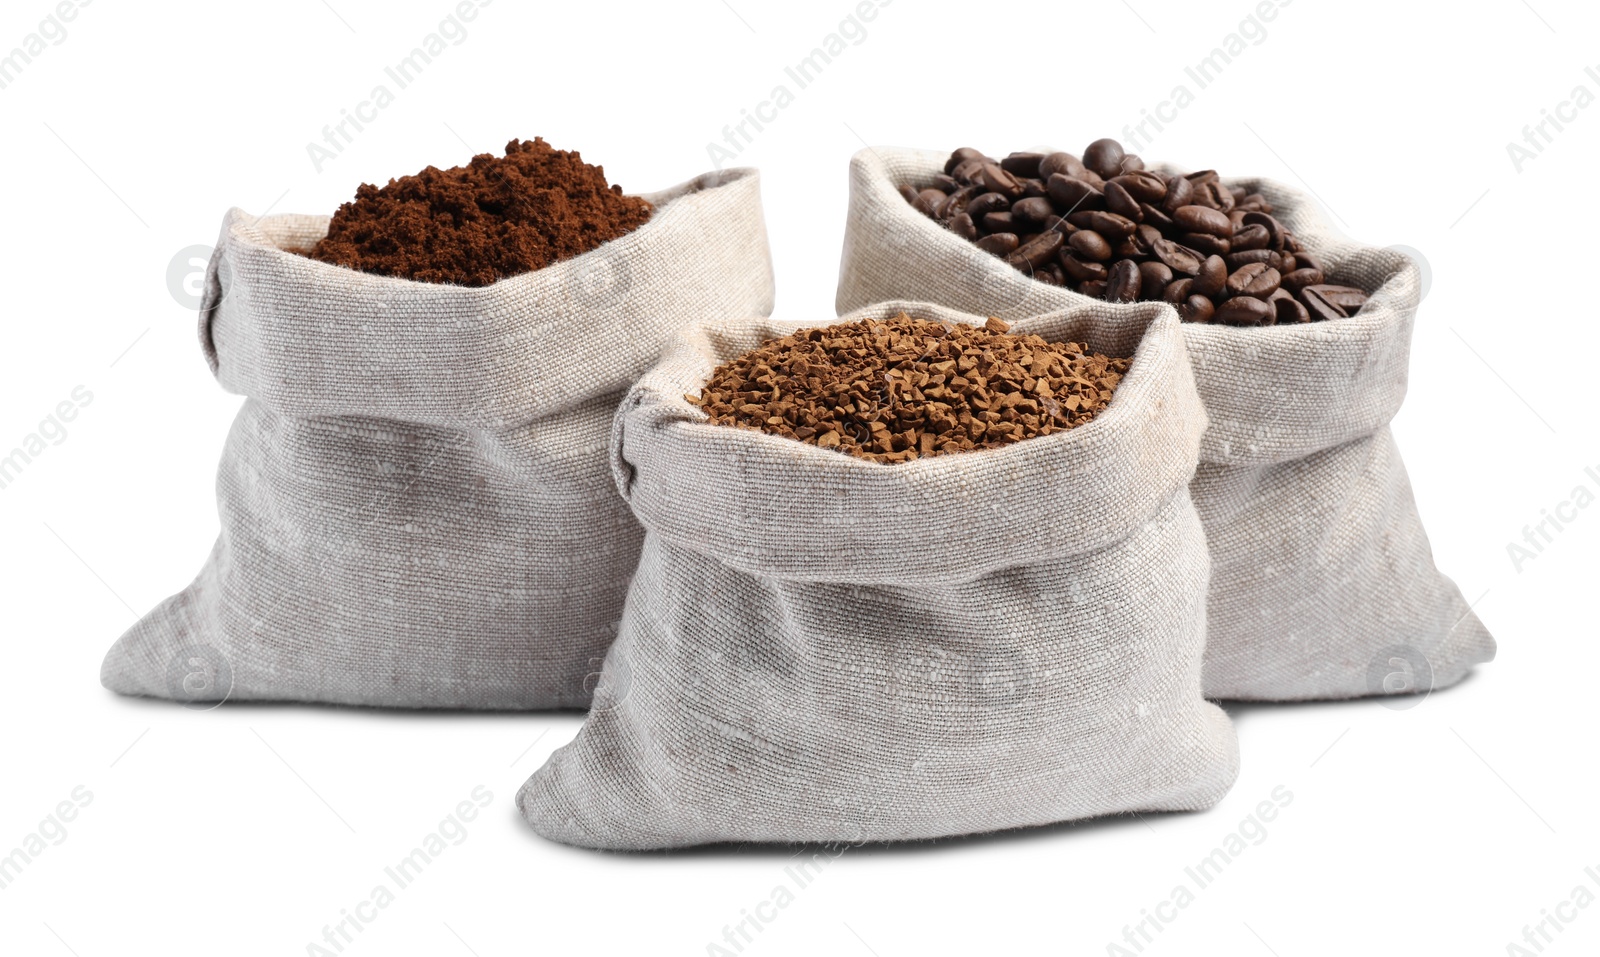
<point>416,504</point>
<point>1322,583</point>
<point>817,647</point>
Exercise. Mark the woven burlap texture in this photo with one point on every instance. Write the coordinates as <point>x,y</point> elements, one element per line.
<point>416,504</point>
<point>821,648</point>
<point>1323,584</point>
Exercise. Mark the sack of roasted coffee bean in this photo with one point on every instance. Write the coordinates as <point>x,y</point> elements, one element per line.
<point>819,647</point>
<point>416,503</point>
<point>1323,584</point>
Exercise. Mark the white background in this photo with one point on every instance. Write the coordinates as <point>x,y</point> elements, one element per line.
<point>1441,829</point>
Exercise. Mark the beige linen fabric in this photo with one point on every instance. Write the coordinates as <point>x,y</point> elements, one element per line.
<point>416,504</point>
<point>1322,584</point>
<point>820,648</point>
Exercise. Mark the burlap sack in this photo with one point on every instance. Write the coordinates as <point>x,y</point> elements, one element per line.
<point>1322,581</point>
<point>416,504</point>
<point>821,648</point>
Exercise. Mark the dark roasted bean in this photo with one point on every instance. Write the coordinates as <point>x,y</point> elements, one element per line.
<point>1090,245</point>
<point>1064,163</point>
<point>1143,185</point>
<point>999,180</point>
<point>985,203</point>
<point>1104,157</point>
<point>1071,193</point>
<point>1199,219</point>
<point>1094,288</point>
<point>1196,309</point>
<point>1300,278</point>
<point>1348,298</point>
<point>1156,216</point>
<point>962,225</point>
<point>1153,279</point>
<point>1121,202</point>
<point>960,156</point>
<point>910,194</point>
<point>1025,165</point>
<point>1123,284</point>
<point>1257,280</point>
<point>1179,193</point>
<point>1289,310</point>
<point>928,201</point>
<point>1001,244</point>
<point>1037,251</point>
<point>998,223</point>
<point>1211,278</point>
<point>1131,163</point>
<point>1254,236</point>
<point>1050,273</point>
<point>1307,260</point>
<point>1179,258</point>
<point>1206,243</point>
<point>1033,211</point>
<point>1080,269</point>
<point>1109,225</point>
<point>1246,311</point>
<point>1241,259</point>
<point>1321,309</point>
<point>945,183</point>
<point>1177,291</point>
<point>1274,228</point>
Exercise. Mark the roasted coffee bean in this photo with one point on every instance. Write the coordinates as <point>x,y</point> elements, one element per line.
<point>1246,311</point>
<point>1240,260</point>
<point>1124,283</point>
<point>1254,236</point>
<point>1022,164</point>
<point>1179,258</point>
<point>1206,243</point>
<point>1038,250</point>
<point>1090,245</point>
<point>1321,309</point>
<point>1000,181</point>
<point>985,203</point>
<point>1121,202</point>
<point>1072,194</point>
<point>1001,244</point>
<point>960,156</point>
<point>1104,157</point>
<point>1080,269</point>
<point>1289,310</point>
<point>1107,226</point>
<point>998,223</point>
<point>1157,217</point>
<point>1064,163</point>
<point>1032,211</point>
<point>1257,280</point>
<point>1153,279</point>
<point>1348,298</point>
<point>1211,278</point>
<point>928,201</point>
<point>1196,309</point>
<point>1179,192</point>
<point>1275,231</point>
<point>1143,185</point>
<point>1199,219</point>
<point>1301,278</point>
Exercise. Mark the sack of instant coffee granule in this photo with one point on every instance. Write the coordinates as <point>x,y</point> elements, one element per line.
<point>1322,581</point>
<point>821,648</point>
<point>416,503</point>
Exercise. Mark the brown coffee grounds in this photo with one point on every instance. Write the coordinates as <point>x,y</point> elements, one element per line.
<point>899,389</point>
<point>474,225</point>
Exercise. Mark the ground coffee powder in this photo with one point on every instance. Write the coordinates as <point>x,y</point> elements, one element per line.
<point>474,225</point>
<point>898,389</point>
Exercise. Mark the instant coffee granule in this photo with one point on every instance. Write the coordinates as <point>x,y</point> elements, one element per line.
<point>899,389</point>
<point>474,225</point>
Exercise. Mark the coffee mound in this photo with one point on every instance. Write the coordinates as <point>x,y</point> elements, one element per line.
<point>1111,229</point>
<point>474,225</point>
<point>899,389</point>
